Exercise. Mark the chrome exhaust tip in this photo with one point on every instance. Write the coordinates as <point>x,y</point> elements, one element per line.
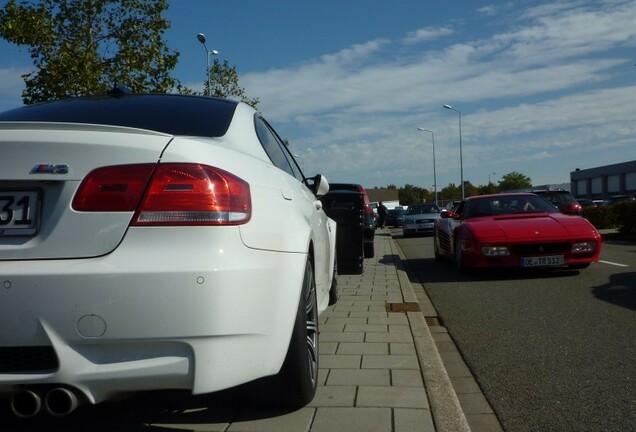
<point>60,402</point>
<point>26,404</point>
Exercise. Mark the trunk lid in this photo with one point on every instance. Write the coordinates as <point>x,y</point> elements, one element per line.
<point>43,166</point>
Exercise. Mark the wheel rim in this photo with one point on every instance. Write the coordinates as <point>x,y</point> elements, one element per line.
<point>311,310</point>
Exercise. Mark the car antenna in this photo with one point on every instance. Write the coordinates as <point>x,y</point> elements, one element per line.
<point>119,89</point>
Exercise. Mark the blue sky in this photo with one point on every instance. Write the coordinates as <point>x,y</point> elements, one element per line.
<point>543,87</point>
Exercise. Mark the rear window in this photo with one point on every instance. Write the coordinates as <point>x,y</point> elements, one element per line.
<point>167,113</point>
<point>557,197</point>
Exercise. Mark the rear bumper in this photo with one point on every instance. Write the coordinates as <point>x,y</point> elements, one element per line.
<point>193,315</point>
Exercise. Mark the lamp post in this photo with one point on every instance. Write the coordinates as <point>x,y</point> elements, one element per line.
<point>434,171</point>
<point>201,38</point>
<point>461,162</point>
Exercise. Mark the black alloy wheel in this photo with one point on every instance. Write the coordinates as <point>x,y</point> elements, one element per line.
<point>295,385</point>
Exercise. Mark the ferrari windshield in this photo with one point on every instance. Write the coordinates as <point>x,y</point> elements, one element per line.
<point>507,204</point>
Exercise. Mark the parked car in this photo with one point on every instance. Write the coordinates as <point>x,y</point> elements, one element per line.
<point>370,217</point>
<point>395,217</point>
<point>346,207</point>
<point>420,219</point>
<point>450,205</point>
<point>562,199</point>
<point>156,242</point>
<point>514,230</point>
<point>584,202</point>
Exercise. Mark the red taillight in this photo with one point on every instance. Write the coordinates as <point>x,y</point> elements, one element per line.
<point>178,194</point>
<point>113,188</point>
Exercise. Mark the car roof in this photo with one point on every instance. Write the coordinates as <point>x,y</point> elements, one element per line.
<point>491,196</point>
<point>168,113</point>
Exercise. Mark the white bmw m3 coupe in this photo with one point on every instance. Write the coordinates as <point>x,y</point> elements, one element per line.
<point>156,242</point>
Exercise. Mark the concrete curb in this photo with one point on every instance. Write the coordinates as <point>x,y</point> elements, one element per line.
<point>447,411</point>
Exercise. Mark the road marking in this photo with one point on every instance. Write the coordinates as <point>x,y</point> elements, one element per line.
<point>613,263</point>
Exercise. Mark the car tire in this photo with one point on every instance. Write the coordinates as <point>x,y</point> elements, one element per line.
<point>334,295</point>
<point>438,256</point>
<point>459,258</point>
<point>295,385</point>
<point>369,250</point>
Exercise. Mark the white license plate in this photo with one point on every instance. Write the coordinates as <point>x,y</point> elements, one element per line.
<point>19,210</point>
<point>543,261</point>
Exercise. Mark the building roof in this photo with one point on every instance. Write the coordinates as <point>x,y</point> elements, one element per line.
<point>382,194</point>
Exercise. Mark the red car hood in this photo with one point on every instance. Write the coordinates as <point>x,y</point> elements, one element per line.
<point>523,227</point>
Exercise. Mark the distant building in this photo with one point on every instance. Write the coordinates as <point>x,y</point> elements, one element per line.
<point>389,197</point>
<point>560,186</point>
<point>605,181</point>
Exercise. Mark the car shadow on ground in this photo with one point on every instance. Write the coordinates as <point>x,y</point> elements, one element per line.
<point>619,238</point>
<point>620,290</point>
<point>432,270</point>
<point>165,411</point>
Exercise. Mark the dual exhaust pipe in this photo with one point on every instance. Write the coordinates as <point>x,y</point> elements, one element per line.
<point>58,402</point>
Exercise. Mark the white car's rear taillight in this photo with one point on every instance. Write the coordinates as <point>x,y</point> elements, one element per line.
<point>167,194</point>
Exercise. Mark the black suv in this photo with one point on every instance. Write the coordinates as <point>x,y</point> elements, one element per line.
<point>562,199</point>
<point>368,215</point>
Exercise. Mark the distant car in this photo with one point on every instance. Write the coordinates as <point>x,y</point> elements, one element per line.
<point>451,205</point>
<point>156,242</point>
<point>619,198</point>
<point>515,230</point>
<point>584,202</point>
<point>562,199</point>
<point>395,217</point>
<point>420,219</point>
<point>369,216</point>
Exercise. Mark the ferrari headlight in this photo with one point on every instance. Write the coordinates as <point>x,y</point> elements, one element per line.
<point>583,247</point>
<point>494,251</point>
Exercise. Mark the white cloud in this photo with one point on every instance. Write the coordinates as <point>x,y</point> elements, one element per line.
<point>355,113</point>
<point>427,34</point>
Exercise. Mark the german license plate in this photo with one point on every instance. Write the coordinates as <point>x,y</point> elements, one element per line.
<point>19,210</point>
<point>543,261</point>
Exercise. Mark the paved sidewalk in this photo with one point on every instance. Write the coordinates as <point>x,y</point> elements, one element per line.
<point>380,370</point>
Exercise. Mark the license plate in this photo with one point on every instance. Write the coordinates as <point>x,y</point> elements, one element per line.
<point>543,261</point>
<point>19,210</point>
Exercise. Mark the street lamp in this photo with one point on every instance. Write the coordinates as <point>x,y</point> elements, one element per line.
<point>201,38</point>
<point>434,172</point>
<point>461,162</point>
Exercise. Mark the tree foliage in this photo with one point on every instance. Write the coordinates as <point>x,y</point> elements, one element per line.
<point>84,47</point>
<point>410,194</point>
<point>514,180</point>
<point>224,82</point>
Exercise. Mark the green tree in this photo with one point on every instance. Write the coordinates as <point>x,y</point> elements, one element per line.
<point>490,188</point>
<point>470,189</point>
<point>410,194</point>
<point>452,192</point>
<point>514,180</point>
<point>224,82</point>
<point>84,47</point>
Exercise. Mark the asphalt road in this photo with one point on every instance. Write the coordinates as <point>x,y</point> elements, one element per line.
<point>552,351</point>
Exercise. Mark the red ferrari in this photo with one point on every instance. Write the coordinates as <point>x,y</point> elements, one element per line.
<point>515,230</point>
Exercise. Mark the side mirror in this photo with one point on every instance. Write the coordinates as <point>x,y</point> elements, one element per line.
<point>449,215</point>
<point>319,185</point>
